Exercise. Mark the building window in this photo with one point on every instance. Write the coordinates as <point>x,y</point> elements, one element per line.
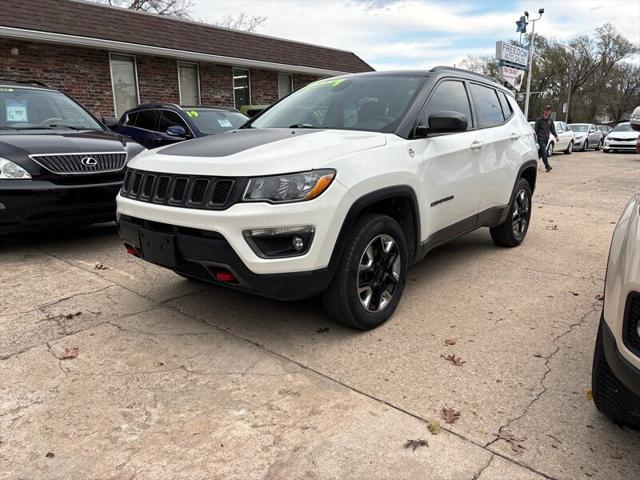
<point>189,83</point>
<point>241,87</point>
<point>285,84</point>
<point>124,81</point>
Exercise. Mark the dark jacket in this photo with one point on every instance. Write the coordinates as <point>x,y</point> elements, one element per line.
<point>543,127</point>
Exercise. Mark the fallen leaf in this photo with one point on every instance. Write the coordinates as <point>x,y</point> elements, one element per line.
<point>450,341</point>
<point>575,294</point>
<point>413,444</point>
<point>589,395</point>
<point>457,361</point>
<point>450,415</point>
<point>434,427</point>
<point>49,455</point>
<point>552,227</point>
<point>600,297</point>
<point>323,330</point>
<point>100,266</point>
<point>69,316</point>
<point>69,352</point>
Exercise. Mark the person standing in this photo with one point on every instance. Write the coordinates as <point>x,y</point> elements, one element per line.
<point>544,128</point>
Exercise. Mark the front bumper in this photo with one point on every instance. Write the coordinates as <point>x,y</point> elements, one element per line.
<point>203,254</point>
<point>620,145</point>
<point>28,205</point>
<point>577,143</point>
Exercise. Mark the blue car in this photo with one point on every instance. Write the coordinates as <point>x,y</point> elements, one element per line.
<point>156,124</point>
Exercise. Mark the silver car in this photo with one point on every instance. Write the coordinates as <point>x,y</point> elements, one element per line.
<point>587,136</point>
<point>566,139</point>
<point>622,138</point>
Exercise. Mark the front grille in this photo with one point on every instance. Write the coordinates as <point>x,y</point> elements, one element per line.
<point>81,163</point>
<point>615,139</point>
<point>630,335</point>
<point>212,193</point>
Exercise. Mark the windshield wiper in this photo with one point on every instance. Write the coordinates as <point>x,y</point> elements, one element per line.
<point>301,125</point>
<point>62,125</point>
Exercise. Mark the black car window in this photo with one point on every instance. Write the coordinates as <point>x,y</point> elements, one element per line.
<point>507,111</point>
<point>450,95</point>
<point>170,119</point>
<point>130,119</point>
<point>488,109</point>
<point>147,119</point>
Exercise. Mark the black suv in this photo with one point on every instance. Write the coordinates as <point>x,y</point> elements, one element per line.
<point>58,164</point>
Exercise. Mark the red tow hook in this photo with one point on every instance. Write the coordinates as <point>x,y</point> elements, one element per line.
<point>132,250</point>
<point>225,277</point>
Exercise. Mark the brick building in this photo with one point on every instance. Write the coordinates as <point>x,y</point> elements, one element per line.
<point>111,59</point>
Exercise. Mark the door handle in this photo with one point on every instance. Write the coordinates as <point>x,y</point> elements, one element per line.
<point>514,136</point>
<point>476,145</point>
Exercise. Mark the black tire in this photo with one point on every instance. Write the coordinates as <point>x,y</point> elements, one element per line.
<point>569,148</point>
<point>550,149</point>
<point>508,234</point>
<point>599,146</point>
<point>585,146</point>
<point>610,396</point>
<point>343,299</point>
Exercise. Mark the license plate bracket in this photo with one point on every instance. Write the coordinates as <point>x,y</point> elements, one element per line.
<point>158,248</point>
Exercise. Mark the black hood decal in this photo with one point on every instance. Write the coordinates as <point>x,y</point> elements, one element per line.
<point>232,142</point>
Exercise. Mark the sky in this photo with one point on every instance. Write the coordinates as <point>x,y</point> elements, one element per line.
<point>400,34</point>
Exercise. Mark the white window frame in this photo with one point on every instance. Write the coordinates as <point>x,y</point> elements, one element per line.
<point>291,88</point>
<point>197,65</point>
<point>233,85</point>
<point>135,73</point>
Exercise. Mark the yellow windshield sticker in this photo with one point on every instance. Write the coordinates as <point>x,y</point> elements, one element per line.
<point>326,83</point>
<point>5,89</point>
<point>193,113</point>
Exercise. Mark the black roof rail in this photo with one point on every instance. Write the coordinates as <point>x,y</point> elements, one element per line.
<point>462,70</point>
<point>26,82</point>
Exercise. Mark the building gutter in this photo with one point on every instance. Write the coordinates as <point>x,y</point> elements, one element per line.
<point>125,47</point>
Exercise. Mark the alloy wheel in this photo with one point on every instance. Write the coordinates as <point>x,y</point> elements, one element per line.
<point>570,148</point>
<point>379,273</point>
<point>520,216</point>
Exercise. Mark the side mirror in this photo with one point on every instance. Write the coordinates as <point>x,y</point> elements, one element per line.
<point>110,122</point>
<point>635,119</point>
<point>444,122</point>
<point>176,131</point>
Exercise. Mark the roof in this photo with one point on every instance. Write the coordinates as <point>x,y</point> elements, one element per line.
<point>72,21</point>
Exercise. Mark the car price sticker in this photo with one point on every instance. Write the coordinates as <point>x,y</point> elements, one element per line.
<point>223,122</point>
<point>16,111</point>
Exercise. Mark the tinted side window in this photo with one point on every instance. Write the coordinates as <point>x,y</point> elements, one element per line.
<point>170,119</point>
<point>450,95</point>
<point>488,109</point>
<point>506,106</point>
<point>131,119</point>
<point>147,119</point>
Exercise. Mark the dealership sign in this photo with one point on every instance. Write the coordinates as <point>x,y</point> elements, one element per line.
<point>513,76</point>
<point>512,55</point>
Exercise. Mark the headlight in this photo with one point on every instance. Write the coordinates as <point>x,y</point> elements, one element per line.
<point>9,170</point>
<point>292,187</point>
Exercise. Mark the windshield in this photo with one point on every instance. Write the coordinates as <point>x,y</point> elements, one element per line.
<point>622,127</point>
<point>29,108</point>
<point>216,121</point>
<point>371,103</point>
<point>579,128</point>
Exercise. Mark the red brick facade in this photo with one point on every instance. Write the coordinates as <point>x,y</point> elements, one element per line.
<point>84,73</point>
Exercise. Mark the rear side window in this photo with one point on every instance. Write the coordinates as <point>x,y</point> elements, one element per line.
<point>147,119</point>
<point>130,119</point>
<point>506,106</point>
<point>170,119</point>
<point>488,109</point>
<point>450,95</point>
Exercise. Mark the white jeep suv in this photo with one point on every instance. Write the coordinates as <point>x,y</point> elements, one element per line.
<point>337,189</point>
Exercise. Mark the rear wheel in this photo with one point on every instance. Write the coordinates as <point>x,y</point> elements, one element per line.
<point>569,148</point>
<point>610,396</point>
<point>370,278</point>
<point>512,231</point>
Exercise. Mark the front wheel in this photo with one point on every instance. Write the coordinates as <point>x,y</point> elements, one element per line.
<point>370,278</point>
<point>512,231</point>
<point>569,148</point>
<point>585,146</point>
<point>599,146</point>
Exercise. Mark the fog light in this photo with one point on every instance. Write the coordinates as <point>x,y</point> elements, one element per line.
<point>298,244</point>
<point>2,207</point>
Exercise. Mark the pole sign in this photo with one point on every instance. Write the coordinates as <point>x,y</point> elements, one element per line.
<point>517,56</point>
<point>513,76</point>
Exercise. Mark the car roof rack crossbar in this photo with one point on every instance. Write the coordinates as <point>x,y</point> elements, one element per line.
<point>462,70</point>
<point>26,82</point>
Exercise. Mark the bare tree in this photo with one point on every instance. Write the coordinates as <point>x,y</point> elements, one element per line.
<point>172,8</point>
<point>241,21</point>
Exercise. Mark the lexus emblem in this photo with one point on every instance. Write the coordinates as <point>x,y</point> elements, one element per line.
<point>89,162</point>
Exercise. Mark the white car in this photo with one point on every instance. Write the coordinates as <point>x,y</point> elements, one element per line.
<point>622,138</point>
<point>566,138</point>
<point>616,363</point>
<point>587,136</point>
<point>337,189</point>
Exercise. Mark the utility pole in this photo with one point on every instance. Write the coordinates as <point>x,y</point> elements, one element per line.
<point>531,48</point>
<point>566,115</point>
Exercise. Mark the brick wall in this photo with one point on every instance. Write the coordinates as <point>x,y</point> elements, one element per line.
<point>84,74</point>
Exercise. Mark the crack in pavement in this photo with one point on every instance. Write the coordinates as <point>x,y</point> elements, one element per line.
<point>477,475</point>
<point>504,429</point>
